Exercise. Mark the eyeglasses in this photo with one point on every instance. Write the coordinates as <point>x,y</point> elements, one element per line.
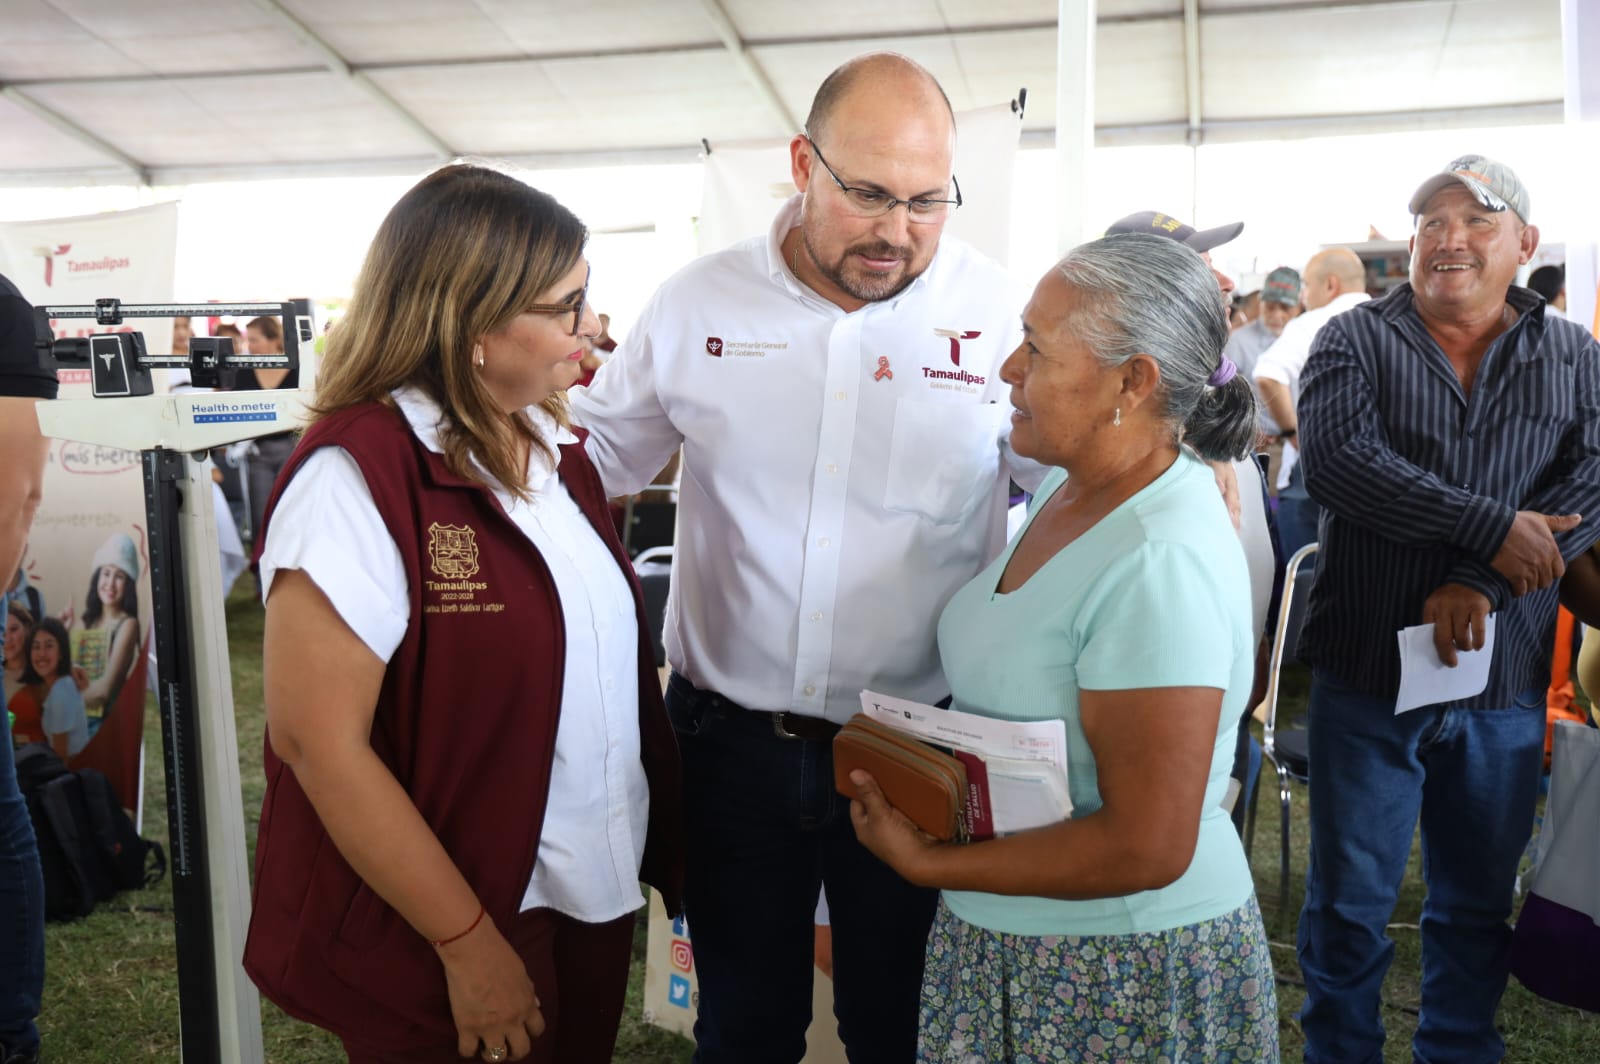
<point>575,309</point>
<point>872,203</point>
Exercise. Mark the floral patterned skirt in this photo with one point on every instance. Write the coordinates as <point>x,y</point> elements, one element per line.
<point>1200,993</point>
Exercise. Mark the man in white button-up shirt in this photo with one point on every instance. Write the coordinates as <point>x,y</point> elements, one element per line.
<point>834,387</point>
<point>1335,281</point>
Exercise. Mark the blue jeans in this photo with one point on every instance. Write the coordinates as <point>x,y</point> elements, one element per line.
<point>765,830</point>
<point>1298,514</point>
<point>21,916</point>
<point>1473,775</point>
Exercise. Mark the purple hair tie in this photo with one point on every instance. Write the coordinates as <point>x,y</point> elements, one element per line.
<point>1224,373</point>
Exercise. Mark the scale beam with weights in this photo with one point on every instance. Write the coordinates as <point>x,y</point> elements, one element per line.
<point>220,1010</point>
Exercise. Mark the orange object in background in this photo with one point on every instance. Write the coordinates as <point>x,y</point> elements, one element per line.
<point>1561,700</point>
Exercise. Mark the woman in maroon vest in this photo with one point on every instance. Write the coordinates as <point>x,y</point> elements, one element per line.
<point>468,763</point>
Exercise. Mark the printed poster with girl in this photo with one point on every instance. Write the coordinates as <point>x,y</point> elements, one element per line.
<point>77,611</point>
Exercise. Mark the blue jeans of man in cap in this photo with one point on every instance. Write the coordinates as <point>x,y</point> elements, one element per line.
<point>765,828</point>
<point>21,917</point>
<point>1473,776</point>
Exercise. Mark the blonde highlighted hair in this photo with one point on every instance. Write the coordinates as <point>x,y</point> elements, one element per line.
<point>461,254</point>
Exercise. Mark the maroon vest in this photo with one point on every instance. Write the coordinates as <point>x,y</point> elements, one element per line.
<point>466,721</point>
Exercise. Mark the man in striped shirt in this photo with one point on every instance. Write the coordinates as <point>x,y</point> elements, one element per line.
<point>1451,433</point>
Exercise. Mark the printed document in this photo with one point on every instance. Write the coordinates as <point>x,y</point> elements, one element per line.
<point>1025,761</point>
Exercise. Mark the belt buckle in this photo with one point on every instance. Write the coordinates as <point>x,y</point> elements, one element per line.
<point>780,731</point>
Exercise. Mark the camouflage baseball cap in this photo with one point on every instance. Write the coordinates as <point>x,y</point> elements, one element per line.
<point>1282,286</point>
<point>1495,185</point>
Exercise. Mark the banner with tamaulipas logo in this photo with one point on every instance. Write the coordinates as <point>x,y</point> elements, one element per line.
<point>87,563</point>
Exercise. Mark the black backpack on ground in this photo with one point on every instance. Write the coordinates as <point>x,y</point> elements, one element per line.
<point>88,848</point>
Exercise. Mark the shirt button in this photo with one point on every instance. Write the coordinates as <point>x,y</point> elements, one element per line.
<point>809,689</point>
<point>840,395</point>
<point>832,468</point>
<point>823,542</point>
<point>816,615</point>
<point>611,685</point>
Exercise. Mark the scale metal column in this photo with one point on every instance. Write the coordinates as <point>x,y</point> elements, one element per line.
<point>220,1009</point>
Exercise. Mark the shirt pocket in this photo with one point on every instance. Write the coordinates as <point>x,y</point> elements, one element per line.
<point>1546,392</point>
<point>943,458</point>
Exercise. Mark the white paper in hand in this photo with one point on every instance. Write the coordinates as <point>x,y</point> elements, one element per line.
<point>1026,794</point>
<point>1427,681</point>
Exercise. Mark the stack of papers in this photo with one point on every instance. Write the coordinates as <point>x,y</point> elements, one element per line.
<point>1016,770</point>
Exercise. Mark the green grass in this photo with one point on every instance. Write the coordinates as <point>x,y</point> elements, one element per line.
<point>111,987</point>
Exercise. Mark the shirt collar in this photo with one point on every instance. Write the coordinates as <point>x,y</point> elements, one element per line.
<point>426,419</point>
<point>788,217</point>
<point>1400,301</point>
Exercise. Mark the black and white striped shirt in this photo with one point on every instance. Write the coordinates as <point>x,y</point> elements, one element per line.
<point>1419,483</point>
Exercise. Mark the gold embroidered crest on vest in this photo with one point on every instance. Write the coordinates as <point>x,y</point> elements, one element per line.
<point>452,551</point>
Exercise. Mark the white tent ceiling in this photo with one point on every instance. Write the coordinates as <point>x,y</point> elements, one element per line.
<point>177,91</point>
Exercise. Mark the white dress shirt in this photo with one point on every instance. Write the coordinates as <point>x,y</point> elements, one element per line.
<point>843,474</point>
<point>592,842</point>
<point>1285,359</point>
<point>1245,347</point>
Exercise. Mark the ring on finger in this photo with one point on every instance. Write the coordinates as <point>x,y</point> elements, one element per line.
<point>494,1054</point>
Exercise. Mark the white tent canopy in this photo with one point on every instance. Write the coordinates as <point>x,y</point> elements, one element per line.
<point>181,91</point>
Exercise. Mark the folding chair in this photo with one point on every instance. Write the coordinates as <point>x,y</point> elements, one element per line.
<point>1289,750</point>
<point>654,569</point>
<point>648,523</point>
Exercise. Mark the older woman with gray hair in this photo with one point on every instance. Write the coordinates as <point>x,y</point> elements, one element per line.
<point>1129,931</point>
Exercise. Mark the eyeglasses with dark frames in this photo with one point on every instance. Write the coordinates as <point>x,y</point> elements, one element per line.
<point>575,309</point>
<point>873,203</point>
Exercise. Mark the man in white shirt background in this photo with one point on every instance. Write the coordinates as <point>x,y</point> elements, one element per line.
<point>1280,302</point>
<point>1551,283</point>
<point>1333,281</point>
<point>834,386</point>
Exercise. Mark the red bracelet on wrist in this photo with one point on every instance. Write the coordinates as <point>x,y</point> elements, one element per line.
<point>476,920</point>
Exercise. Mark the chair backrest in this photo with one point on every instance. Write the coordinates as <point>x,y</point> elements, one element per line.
<point>1297,583</point>
<point>1255,535</point>
<point>649,522</point>
<point>654,569</point>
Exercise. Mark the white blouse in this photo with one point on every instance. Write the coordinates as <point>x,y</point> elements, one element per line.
<point>327,525</point>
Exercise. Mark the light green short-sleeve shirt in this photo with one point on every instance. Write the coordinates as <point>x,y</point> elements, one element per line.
<point>1154,595</point>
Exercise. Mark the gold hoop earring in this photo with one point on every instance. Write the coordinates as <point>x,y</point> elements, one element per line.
<point>478,350</point>
<point>1117,420</point>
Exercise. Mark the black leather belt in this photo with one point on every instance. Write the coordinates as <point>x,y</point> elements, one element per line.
<point>796,727</point>
<point>801,727</point>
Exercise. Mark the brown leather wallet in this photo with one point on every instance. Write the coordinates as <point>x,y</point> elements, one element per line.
<point>923,782</point>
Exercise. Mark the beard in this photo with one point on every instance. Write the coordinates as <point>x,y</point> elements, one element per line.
<point>867,287</point>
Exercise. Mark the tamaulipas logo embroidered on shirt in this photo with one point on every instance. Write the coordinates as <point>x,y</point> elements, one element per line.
<point>958,376</point>
<point>955,336</point>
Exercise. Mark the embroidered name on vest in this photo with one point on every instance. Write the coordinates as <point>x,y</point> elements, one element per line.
<point>453,555</point>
